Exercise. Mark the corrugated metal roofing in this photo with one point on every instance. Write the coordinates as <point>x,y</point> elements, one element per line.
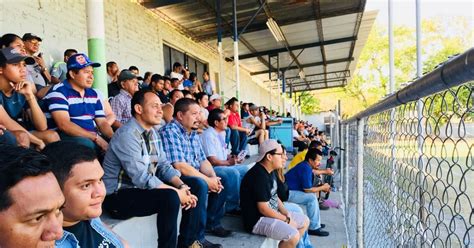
<point>342,24</point>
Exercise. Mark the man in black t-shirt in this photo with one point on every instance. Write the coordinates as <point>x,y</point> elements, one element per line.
<point>157,85</point>
<point>263,212</point>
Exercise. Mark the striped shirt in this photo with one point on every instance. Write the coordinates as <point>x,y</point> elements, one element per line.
<point>181,146</point>
<point>121,105</point>
<point>82,109</point>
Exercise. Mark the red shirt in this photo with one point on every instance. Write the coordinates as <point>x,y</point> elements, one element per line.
<point>234,120</point>
<point>211,107</point>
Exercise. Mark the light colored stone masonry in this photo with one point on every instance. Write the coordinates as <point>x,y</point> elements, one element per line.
<point>134,36</point>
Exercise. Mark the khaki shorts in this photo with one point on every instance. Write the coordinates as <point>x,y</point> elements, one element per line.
<point>278,229</point>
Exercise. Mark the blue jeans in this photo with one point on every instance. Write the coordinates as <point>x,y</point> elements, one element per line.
<point>238,141</point>
<point>310,201</point>
<point>7,138</point>
<point>208,212</point>
<point>305,242</point>
<point>234,175</point>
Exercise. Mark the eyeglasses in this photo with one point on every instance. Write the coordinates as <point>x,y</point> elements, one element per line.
<point>279,153</point>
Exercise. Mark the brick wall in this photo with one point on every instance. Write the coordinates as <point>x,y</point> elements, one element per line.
<point>134,36</point>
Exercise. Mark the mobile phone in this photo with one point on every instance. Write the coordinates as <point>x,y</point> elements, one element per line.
<point>40,55</point>
<point>242,155</point>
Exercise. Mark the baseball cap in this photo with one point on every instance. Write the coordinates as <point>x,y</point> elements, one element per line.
<point>79,61</point>
<point>214,97</point>
<point>30,36</point>
<point>11,55</point>
<point>253,107</point>
<point>126,75</point>
<point>265,147</point>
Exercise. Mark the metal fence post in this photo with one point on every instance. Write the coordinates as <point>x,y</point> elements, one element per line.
<point>360,182</point>
<point>347,165</point>
<point>420,129</point>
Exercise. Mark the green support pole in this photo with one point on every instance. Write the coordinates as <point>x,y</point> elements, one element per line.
<point>96,42</point>
<point>96,47</point>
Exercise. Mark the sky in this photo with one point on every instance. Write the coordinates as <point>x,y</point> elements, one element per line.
<point>404,10</point>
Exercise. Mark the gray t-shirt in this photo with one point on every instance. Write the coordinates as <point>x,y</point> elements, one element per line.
<point>59,70</point>
<point>34,74</point>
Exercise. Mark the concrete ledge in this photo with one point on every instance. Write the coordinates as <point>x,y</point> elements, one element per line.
<point>141,232</point>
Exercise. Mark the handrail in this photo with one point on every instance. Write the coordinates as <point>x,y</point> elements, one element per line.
<point>453,72</point>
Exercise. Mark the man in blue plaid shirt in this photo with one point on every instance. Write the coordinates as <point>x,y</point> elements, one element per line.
<point>183,149</point>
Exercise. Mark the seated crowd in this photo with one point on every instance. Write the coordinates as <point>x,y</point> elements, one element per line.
<point>157,145</point>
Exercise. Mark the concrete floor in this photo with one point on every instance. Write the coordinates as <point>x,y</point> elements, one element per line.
<point>333,218</point>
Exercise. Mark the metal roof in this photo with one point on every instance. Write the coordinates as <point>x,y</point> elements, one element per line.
<point>323,38</point>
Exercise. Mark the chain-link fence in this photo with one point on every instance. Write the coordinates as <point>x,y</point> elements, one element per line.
<point>417,185</point>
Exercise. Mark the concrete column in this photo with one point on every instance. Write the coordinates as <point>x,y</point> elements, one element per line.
<point>96,42</point>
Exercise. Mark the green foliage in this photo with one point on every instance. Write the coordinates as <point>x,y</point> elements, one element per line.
<point>309,103</point>
<point>369,83</point>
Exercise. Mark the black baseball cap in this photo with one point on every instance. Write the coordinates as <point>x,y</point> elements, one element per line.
<point>30,36</point>
<point>126,75</point>
<point>11,55</point>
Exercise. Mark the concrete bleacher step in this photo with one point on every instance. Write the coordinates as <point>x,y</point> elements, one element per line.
<point>141,232</point>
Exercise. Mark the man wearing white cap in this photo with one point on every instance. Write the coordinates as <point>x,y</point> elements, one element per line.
<point>263,212</point>
<point>215,102</point>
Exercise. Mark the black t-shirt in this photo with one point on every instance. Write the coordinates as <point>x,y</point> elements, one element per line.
<point>163,98</point>
<point>87,236</point>
<point>113,89</point>
<point>257,186</point>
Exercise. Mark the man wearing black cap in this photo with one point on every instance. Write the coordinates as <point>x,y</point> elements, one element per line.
<point>19,109</point>
<point>38,71</point>
<point>76,108</point>
<point>121,103</point>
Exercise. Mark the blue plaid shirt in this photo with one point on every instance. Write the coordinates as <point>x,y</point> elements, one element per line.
<point>181,146</point>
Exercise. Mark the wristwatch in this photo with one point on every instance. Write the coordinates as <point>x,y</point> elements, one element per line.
<point>181,185</point>
<point>288,219</point>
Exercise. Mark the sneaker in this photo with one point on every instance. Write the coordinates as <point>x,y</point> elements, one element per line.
<point>207,244</point>
<point>235,213</point>
<point>220,232</point>
<point>195,244</point>
<point>323,207</point>
<point>318,232</point>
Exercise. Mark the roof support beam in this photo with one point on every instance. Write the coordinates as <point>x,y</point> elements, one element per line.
<point>297,47</point>
<point>330,75</point>
<point>319,29</point>
<point>229,27</point>
<point>258,26</point>
<point>318,87</point>
<point>160,3</point>
<point>285,43</point>
<point>307,65</point>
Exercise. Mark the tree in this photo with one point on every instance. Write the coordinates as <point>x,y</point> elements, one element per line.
<point>369,82</point>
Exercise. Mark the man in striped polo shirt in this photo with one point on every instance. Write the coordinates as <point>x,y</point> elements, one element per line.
<point>76,108</point>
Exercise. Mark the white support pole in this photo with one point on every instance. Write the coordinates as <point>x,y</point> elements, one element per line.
<point>236,51</point>
<point>271,94</point>
<point>237,71</point>
<point>391,48</point>
<point>221,65</point>
<point>360,183</point>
